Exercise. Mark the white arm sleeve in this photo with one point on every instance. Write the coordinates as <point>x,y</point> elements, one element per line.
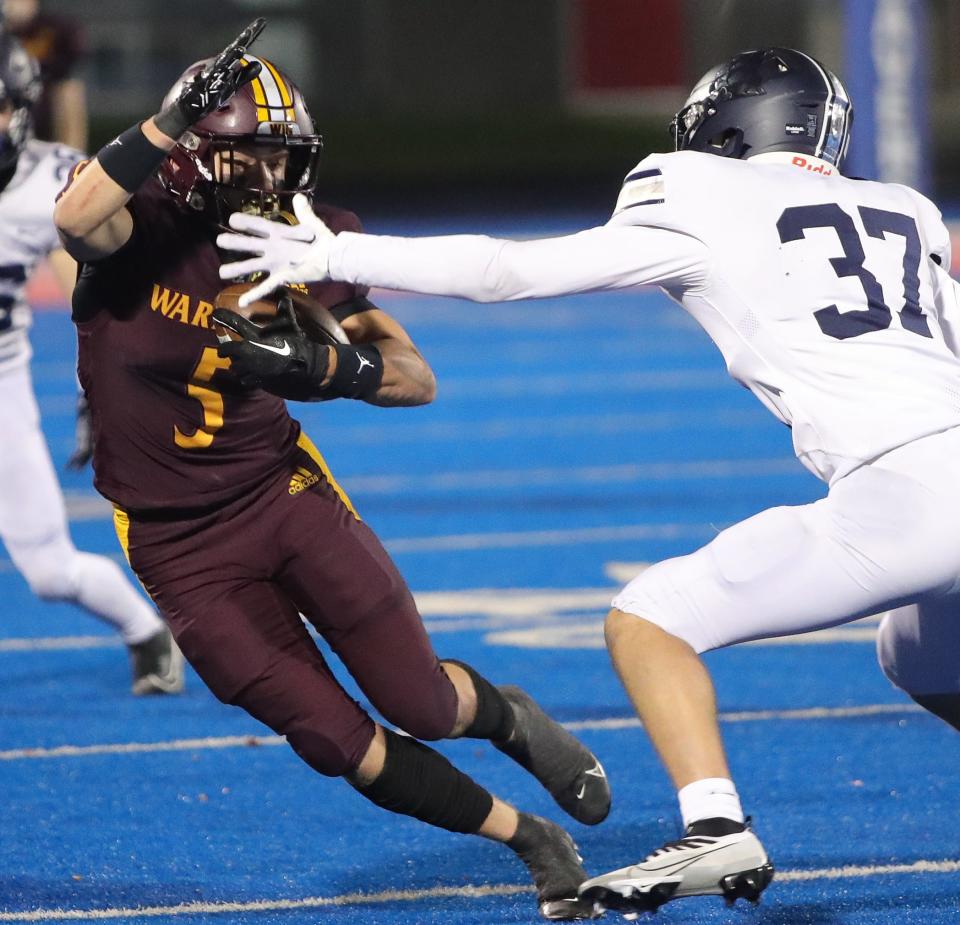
<point>486,269</point>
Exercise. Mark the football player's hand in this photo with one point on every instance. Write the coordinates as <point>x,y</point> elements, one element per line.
<point>213,86</point>
<point>286,253</point>
<point>276,357</point>
<point>83,439</point>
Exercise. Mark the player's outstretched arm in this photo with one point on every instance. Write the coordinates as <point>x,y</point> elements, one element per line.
<point>285,253</point>
<point>91,215</point>
<point>467,266</point>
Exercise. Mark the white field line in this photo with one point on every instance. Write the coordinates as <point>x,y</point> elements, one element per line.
<point>599,725</point>
<point>588,634</point>
<point>581,634</point>
<point>753,716</point>
<point>83,506</point>
<point>545,476</point>
<point>534,538</point>
<point>557,618</point>
<point>598,383</point>
<point>517,539</point>
<point>440,892</point>
<point>59,643</point>
<point>141,748</point>
<point>581,427</point>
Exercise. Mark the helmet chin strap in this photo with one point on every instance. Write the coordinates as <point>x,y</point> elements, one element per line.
<point>732,145</point>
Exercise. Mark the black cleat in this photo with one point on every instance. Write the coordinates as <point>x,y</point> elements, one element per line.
<point>157,665</point>
<point>568,770</point>
<point>550,855</point>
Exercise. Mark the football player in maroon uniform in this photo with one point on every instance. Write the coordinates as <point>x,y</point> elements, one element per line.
<point>57,43</point>
<point>227,512</point>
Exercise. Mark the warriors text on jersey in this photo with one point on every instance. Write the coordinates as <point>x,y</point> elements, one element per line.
<point>827,296</point>
<point>173,428</point>
<point>27,235</point>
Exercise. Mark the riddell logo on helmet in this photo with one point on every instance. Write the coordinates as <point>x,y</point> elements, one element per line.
<point>800,161</point>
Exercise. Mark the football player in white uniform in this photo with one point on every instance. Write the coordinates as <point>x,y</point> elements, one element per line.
<point>33,518</point>
<point>830,301</point>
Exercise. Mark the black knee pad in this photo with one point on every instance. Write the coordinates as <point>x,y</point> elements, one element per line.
<point>417,781</point>
<point>494,719</point>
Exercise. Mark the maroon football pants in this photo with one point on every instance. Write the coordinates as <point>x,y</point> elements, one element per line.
<point>232,585</point>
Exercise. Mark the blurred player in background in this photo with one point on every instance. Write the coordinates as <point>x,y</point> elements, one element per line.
<point>229,514</point>
<point>33,519</point>
<point>829,299</point>
<point>57,44</point>
<point>59,114</point>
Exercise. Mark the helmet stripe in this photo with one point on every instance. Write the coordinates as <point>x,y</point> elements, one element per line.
<point>259,96</point>
<point>274,92</point>
<point>827,108</point>
<point>285,94</point>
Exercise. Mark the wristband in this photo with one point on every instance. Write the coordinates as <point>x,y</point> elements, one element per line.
<point>172,121</point>
<point>359,371</point>
<point>130,159</point>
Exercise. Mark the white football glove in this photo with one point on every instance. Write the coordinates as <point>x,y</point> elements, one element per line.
<point>286,253</point>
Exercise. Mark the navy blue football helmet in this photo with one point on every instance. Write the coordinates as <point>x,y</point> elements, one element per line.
<point>772,99</point>
<point>19,90</point>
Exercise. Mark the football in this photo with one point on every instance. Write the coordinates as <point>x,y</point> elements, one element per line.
<point>315,319</point>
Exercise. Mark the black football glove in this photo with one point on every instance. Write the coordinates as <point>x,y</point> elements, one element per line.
<point>277,357</point>
<point>213,86</point>
<point>83,439</point>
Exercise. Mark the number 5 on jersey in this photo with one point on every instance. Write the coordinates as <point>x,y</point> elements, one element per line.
<point>212,402</point>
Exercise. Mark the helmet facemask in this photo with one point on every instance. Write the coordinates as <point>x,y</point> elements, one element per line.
<point>250,173</point>
<point>19,90</point>
<point>17,133</point>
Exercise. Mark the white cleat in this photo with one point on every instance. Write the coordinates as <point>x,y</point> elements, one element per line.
<point>734,866</point>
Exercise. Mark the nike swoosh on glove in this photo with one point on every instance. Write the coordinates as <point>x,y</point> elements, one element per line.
<point>276,358</point>
<point>287,253</point>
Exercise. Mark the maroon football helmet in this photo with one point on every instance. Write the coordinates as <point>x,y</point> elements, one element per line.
<point>250,155</point>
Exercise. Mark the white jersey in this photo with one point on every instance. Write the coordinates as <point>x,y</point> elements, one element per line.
<point>27,235</point>
<point>823,293</point>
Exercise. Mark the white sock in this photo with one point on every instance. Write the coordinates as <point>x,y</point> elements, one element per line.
<point>101,587</point>
<point>708,799</point>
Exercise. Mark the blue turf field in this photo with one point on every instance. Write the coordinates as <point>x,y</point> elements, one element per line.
<point>570,440</point>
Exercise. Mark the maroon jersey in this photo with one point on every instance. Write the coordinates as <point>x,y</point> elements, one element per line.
<point>173,428</point>
<point>58,45</point>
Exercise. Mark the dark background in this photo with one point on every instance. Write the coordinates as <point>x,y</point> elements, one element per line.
<point>504,103</point>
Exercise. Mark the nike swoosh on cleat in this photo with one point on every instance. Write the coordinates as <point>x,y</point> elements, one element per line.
<point>283,351</point>
<point>581,791</point>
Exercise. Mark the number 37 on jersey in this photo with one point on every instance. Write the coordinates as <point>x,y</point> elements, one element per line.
<point>848,257</point>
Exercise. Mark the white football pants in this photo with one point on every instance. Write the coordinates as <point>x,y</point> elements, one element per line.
<point>886,538</point>
<point>33,523</point>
